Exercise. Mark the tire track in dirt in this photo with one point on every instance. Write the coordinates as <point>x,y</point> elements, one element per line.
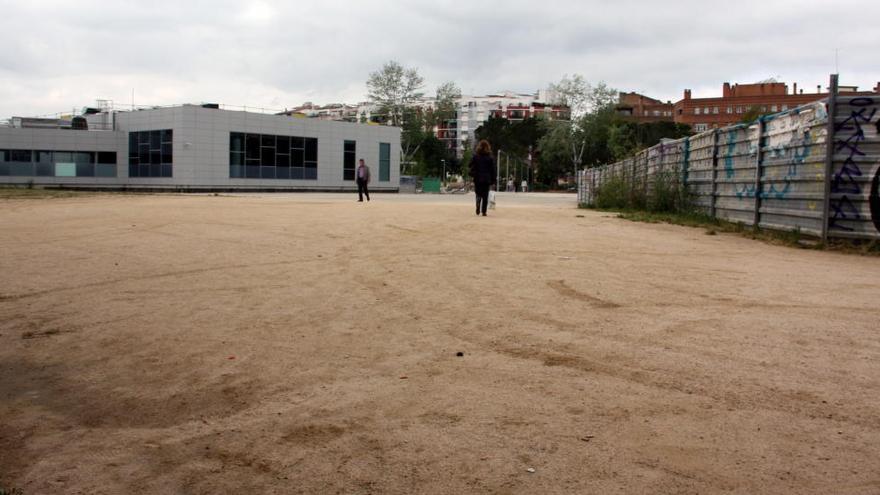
<point>564,290</point>
<point>142,278</point>
<point>796,403</point>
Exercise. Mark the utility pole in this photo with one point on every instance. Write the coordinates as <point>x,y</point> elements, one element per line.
<point>507,171</point>
<point>498,170</point>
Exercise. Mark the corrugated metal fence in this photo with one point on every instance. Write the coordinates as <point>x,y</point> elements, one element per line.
<point>776,172</point>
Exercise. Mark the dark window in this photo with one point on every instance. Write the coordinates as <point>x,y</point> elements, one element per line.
<point>236,165</point>
<point>144,154</point>
<point>265,156</point>
<point>348,160</point>
<point>105,170</point>
<point>44,157</point>
<point>150,154</point>
<point>106,166</point>
<point>282,146</point>
<point>311,150</point>
<point>252,146</point>
<point>21,156</point>
<point>45,169</point>
<point>252,169</point>
<point>107,157</point>
<point>167,155</point>
<point>297,158</point>
<point>236,142</point>
<point>85,169</point>
<point>268,159</point>
<point>384,162</point>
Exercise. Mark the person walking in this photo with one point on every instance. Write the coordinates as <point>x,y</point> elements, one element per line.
<point>363,179</point>
<point>482,169</point>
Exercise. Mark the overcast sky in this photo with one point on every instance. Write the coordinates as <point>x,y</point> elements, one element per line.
<point>57,55</point>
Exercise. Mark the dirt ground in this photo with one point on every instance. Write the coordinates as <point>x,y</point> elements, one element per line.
<point>307,344</point>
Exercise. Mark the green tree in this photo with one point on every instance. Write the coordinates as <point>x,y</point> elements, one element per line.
<point>433,153</point>
<point>394,89</point>
<point>446,102</point>
<point>590,106</point>
<point>752,114</point>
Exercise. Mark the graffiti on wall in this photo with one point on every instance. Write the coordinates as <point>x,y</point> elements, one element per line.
<point>845,181</point>
<point>789,142</point>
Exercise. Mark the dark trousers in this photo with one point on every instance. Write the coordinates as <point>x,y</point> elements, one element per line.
<point>482,191</point>
<point>362,190</point>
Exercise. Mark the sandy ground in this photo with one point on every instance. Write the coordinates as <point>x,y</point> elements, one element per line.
<point>307,344</point>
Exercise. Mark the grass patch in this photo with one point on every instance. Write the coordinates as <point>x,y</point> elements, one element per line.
<point>715,226</point>
<point>27,192</point>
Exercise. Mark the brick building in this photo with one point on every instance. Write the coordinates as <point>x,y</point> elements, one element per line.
<point>642,109</point>
<point>707,113</point>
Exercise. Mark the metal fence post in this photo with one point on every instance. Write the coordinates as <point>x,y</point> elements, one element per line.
<point>829,153</point>
<point>593,186</point>
<point>714,185</point>
<point>759,158</point>
<point>685,167</point>
<point>632,183</point>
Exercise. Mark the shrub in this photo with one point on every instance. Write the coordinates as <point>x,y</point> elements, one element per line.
<point>612,194</point>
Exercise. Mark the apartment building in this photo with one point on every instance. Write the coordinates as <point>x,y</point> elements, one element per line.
<point>736,100</point>
<point>639,108</point>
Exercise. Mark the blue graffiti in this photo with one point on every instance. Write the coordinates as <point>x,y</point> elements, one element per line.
<point>799,155</point>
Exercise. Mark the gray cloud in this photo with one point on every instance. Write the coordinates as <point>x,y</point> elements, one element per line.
<point>57,55</point>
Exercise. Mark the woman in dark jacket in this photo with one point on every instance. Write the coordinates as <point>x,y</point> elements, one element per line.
<point>483,172</point>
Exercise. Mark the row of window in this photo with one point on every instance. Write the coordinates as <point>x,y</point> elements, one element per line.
<point>740,109</point>
<point>266,156</point>
<point>150,153</point>
<point>43,163</point>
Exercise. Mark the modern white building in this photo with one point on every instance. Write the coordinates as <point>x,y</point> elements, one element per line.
<point>198,147</point>
<point>474,111</point>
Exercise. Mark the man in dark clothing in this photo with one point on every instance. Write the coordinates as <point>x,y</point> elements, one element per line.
<point>483,171</point>
<point>363,178</point>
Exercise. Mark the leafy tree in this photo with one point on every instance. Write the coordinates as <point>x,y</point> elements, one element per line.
<point>622,141</point>
<point>394,88</point>
<point>752,114</point>
<point>580,96</point>
<point>433,152</point>
<point>590,105</point>
<point>495,130</point>
<point>411,136</point>
<point>446,102</point>
<point>626,138</point>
